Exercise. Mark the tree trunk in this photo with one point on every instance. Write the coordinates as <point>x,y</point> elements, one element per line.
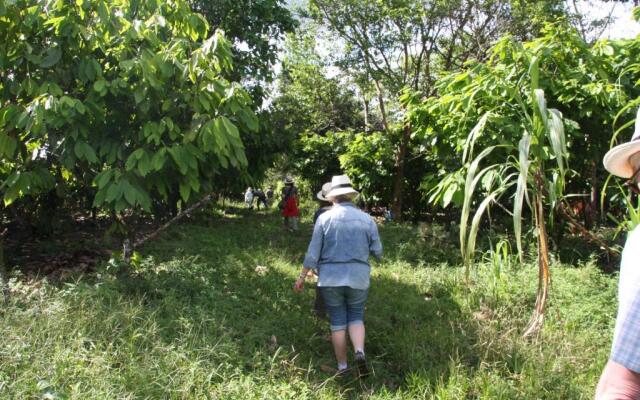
<point>381,105</point>
<point>366,114</point>
<point>595,195</point>
<point>398,183</point>
<point>4,279</point>
<point>544,276</point>
<point>173,198</point>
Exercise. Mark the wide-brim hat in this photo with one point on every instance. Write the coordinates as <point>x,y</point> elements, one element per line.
<point>322,195</point>
<point>341,185</point>
<point>288,180</point>
<point>616,161</point>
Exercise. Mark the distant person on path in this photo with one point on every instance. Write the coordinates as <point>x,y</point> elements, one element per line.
<point>260,198</point>
<point>290,210</point>
<point>269,194</point>
<point>319,307</point>
<point>388,215</point>
<point>248,198</point>
<point>621,376</point>
<point>343,237</point>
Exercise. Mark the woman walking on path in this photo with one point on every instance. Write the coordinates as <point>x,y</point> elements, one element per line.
<point>621,376</point>
<point>343,237</point>
<point>290,210</point>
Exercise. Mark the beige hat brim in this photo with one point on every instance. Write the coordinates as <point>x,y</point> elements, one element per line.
<point>321,197</point>
<point>616,161</point>
<point>342,191</point>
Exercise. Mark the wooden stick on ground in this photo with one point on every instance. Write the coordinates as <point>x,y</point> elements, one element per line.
<point>180,215</point>
<point>128,249</point>
<point>585,232</point>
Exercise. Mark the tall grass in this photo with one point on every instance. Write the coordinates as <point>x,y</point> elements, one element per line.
<point>196,318</point>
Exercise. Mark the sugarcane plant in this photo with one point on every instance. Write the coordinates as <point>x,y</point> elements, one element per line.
<point>533,174</point>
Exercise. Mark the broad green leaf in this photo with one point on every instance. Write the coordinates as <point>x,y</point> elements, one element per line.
<point>8,146</point>
<point>52,57</point>
<point>13,187</point>
<point>113,192</point>
<point>121,205</point>
<point>130,193</point>
<point>194,183</point>
<point>99,85</point>
<point>144,199</point>
<point>220,136</point>
<point>230,127</point>
<point>54,21</point>
<point>131,162</point>
<point>185,191</point>
<point>144,164</point>
<point>78,149</point>
<point>79,107</point>
<point>103,178</point>
<point>250,120</point>
<point>448,195</point>
<point>99,197</point>
<point>89,153</point>
<point>177,154</point>
<point>158,159</point>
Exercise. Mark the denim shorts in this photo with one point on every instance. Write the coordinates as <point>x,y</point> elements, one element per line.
<point>345,305</point>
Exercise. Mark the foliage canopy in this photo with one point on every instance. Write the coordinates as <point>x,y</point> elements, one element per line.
<point>129,95</point>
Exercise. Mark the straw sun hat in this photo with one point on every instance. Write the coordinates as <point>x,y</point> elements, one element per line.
<point>618,160</point>
<point>341,185</point>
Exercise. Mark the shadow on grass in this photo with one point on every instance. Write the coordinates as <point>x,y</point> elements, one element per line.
<point>233,278</point>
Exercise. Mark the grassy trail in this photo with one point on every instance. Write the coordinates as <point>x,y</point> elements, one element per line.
<point>209,312</point>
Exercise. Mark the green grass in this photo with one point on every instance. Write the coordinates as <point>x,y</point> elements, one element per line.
<point>195,319</point>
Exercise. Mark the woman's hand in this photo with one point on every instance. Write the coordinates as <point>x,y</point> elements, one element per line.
<point>300,282</point>
<point>299,285</point>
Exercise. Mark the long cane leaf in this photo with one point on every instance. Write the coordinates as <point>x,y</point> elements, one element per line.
<point>475,225</point>
<point>521,190</point>
<point>624,110</point>
<point>540,105</point>
<point>604,193</point>
<point>534,72</point>
<point>617,132</point>
<point>556,137</point>
<point>469,188</point>
<point>473,135</point>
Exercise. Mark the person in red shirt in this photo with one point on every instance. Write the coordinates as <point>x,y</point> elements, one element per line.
<point>290,210</point>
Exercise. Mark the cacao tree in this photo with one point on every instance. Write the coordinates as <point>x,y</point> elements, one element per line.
<point>127,97</point>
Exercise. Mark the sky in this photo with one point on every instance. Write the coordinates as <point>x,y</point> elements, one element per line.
<point>622,27</point>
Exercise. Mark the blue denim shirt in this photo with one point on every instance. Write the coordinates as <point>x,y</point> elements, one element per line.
<point>626,336</point>
<point>342,240</point>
